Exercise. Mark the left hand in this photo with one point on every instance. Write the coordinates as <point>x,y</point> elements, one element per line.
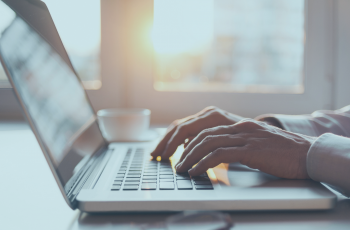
<point>252,143</point>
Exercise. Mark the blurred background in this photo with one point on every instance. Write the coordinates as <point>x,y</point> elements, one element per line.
<point>177,56</point>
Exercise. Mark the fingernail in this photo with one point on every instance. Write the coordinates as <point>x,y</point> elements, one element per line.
<point>177,166</point>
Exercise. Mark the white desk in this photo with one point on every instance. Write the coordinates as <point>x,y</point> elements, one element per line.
<point>30,198</point>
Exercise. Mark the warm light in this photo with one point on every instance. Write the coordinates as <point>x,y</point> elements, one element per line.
<point>182,26</point>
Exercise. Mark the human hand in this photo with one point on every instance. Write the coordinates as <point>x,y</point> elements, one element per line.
<point>187,128</point>
<point>252,143</point>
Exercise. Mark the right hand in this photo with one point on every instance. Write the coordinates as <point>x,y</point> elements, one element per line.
<point>189,127</point>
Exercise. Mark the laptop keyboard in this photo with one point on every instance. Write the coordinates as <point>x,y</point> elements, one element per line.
<point>136,173</point>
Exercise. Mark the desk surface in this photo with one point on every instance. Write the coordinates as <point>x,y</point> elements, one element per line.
<point>30,198</point>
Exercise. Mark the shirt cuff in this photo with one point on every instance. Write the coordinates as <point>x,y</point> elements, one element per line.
<point>328,161</point>
<point>293,123</point>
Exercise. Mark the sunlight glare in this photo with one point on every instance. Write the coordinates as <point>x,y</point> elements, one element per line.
<point>182,26</point>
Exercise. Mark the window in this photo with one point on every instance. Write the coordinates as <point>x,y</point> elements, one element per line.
<point>254,46</point>
<point>275,59</point>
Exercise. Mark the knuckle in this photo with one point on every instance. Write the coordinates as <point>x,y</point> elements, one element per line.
<point>211,107</point>
<point>215,113</point>
<point>248,123</point>
<point>206,132</point>
<point>208,138</point>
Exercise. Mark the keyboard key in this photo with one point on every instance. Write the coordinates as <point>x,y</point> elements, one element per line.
<point>132,173</point>
<point>149,186</point>
<point>149,181</point>
<point>167,180</point>
<point>117,183</point>
<point>166,173</point>
<point>122,171</point>
<point>166,176</point>
<point>165,170</point>
<point>201,178</point>
<point>132,179</point>
<point>204,187</point>
<point>150,174</point>
<point>184,184</point>
<point>118,180</point>
<point>132,183</point>
<point>202,182</point>
<point>133,176</point>
<point>135,169</point>
<point>182,174</point>
<point>203,175</point>
<point>150,177</point>
<point>115,187</point>
<point>182,177</point>
<point>156,169</point>
<point>166,186</point>
<point>130,187</point>
<point>150,166</point>
<point>120,175</point>
<point>150,171</point>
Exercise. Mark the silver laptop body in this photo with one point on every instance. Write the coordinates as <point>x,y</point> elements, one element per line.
<point>95,176</point>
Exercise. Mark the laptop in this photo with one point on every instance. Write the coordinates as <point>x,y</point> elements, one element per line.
<point>96,176</point>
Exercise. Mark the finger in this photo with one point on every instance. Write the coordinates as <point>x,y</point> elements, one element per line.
<point>220,155</point>
<point>219,130</point>
<point>185,130</point>
<point>188,141</point>
<point>162,144</point>
<point>182,132</point>
<point>191,128</point>
<point>209,144</point>
<point>172,128</point>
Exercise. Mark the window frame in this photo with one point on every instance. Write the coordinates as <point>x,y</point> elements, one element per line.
<point>127,68</point>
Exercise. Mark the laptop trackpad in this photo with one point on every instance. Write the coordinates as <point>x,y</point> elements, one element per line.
<point>241,176</point>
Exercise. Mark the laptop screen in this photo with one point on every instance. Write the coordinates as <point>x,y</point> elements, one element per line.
<point>50,93</point>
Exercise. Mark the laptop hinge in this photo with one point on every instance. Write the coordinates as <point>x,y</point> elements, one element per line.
<point>84,174</point>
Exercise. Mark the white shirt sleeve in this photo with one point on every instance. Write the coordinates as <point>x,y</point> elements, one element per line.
<point>316,124</point>
<point>328,159</point>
